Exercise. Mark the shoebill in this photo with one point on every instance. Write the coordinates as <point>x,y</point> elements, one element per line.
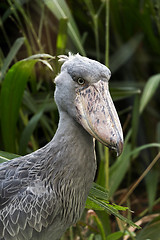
<point>44,193</point>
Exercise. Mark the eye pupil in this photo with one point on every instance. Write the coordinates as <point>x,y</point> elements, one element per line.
<point>80,81</point>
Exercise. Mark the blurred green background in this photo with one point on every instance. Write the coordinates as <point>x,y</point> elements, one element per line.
<point>125,36</point>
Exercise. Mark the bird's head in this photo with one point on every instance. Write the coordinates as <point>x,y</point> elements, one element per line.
<point>82,91</point>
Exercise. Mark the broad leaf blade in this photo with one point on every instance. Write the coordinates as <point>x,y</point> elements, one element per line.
<point>62,36</point>
<point>119,93</point>
<point>152,184</point>
<point>11,96</point>
<point>150,88</point>
<point>115,236</point>
<point>92,205</point>
<point>151,231</point>
<point>11,55</point>
<point>5,156</point>
<point>119,169</point>
<point>99,192</point>
<point>60,9</point>
<point>98,200</point>
<point>125,53</point>
<point>26,134</point>
<point>111,210</point>
<point>39,56</point>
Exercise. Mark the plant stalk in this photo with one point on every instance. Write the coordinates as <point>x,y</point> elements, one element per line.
<point>140,178</point>
<point>107,35</point>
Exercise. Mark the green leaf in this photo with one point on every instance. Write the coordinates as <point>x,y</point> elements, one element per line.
<point>125,53</point>
<point>149,90</point>
<point>26,134</point>
<point>62,36</point>
<point>98,237</point>
<point>119,93</point>
<point>98,200</point>
<point>99,192</point>
<point>135,121</point>
<point>119,169</point>
<point>5,156</point>
<point>11,55</point>
<point>91,237</point>
<point>39,56</point>
<point>61,10</point>
<point>115,236</point>
<point>11,97</point>
<point>151,231</point>
<point>119,208</point>
<point>92,205</point>
<point>32,105</point>
<point>158,132</point>
<point>152,183</point>
<point>110,209</point>
<point>139,149</point>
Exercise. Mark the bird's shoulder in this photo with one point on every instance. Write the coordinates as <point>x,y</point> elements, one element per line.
<point>27,202</point>
<point>31,209</point>
<point>26,214</point>
<point>14,178</point>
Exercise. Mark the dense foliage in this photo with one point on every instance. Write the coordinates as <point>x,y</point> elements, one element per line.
<point>124,35</point>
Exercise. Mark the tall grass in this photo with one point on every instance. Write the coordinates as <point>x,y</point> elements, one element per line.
<point>124,35</point>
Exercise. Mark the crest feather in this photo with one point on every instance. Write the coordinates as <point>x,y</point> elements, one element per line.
<point>64,58</point>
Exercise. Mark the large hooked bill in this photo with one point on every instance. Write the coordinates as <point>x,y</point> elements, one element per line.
<point>97,114</point>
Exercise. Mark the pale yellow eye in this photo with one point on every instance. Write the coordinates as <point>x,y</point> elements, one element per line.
<point>80,81</point>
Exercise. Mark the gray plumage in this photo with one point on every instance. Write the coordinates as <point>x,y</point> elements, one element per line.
<point>43,193</point>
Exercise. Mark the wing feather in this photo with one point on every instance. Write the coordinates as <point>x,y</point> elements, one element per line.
<point>28,205</point>
<point>27,232</point>
<point>28,216</point>
<point>1,229</point>
<point>14,217</point>
<point>10,229</point>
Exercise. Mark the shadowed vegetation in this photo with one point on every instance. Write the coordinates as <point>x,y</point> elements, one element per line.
<point>124,35</point>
